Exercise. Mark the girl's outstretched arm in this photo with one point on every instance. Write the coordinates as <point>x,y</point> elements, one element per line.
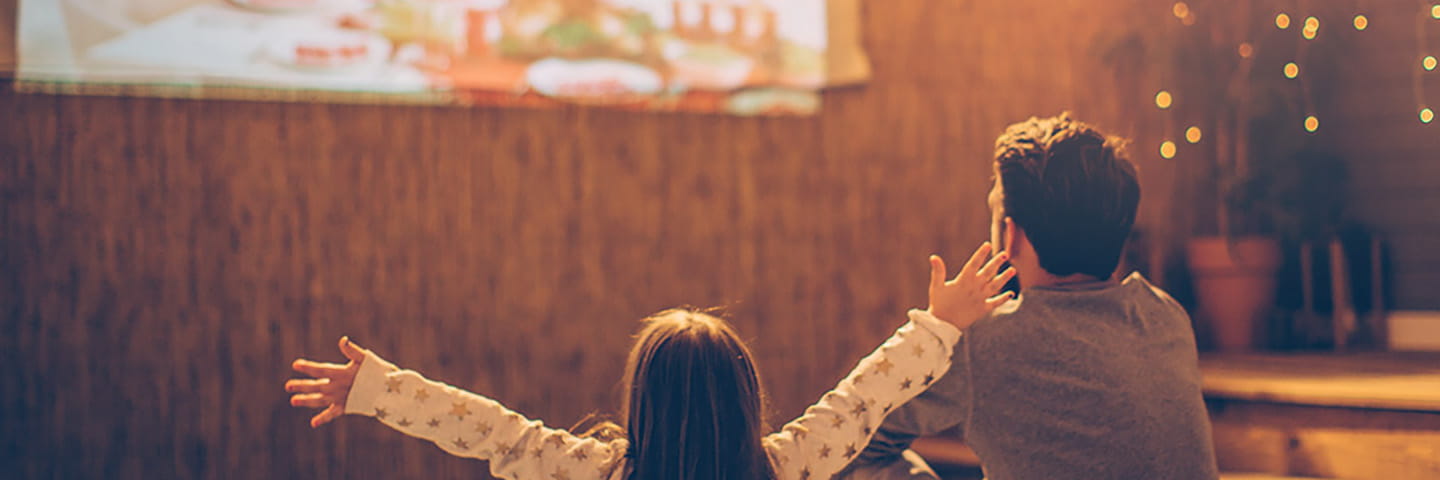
<point>459,422</point>
<point>831,432</point>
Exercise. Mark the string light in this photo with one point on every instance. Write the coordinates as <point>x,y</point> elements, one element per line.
<point>1167,150</point>
<point>1181,10</point>
<point>1361,22</point>
<point>1312,28</point>
<point>1163,100</point>
<point>1282,21</point>
<point>1427,115</point>
<point>1435,11</point>
<point>1192,134</point>
<point>1312,124</point>
<point>1292,70</point>
<point>1247,50</point>
<point>1429,63</point>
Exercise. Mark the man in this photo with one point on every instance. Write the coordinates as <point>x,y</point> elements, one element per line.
<point>1084,375</point>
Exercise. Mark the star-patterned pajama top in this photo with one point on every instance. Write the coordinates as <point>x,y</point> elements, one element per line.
<point>815,446</point>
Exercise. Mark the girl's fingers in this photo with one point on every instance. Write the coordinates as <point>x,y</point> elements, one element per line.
<point>975,258</point>
<point>306,385</point>
<point>324,417</point>
<point>317,369</point>
<point>998,300</point>
<point>937,271</point>
<point>1000,280</point>
<point>992,266</point>
<point>312,400</point>
<point>351,350</point>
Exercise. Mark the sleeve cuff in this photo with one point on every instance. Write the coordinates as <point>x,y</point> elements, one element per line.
<point>369,384</point>
<point>940,328</point>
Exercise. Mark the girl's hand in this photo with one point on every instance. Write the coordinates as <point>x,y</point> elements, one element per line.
<point>330,386</point>
<point>972,293</point>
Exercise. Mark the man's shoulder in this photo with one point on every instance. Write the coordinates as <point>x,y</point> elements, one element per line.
<point>1141,290</point>
<point>1010,321</point>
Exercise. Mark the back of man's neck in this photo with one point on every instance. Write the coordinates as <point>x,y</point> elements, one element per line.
<point>1044,279</point>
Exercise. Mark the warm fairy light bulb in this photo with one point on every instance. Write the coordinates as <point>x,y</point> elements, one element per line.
<point>1163,100</point>
<point>1247,50</point>
<point>1312,28</point>
<point>1292,70</point>
<point>1361,22</point>
<point>1192,134</point>
<point>1429,63</point>
<point>1312,124</point>
<point>1167,149</point>
<point>1282,21</point>
<point>1427,115</point>
<point>1435,11</point>
<point>1181,10</point>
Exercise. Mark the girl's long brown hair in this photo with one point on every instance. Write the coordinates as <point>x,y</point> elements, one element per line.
<point>692,407</point>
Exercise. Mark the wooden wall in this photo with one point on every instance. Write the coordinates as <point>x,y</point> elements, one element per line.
<point>162,261</point>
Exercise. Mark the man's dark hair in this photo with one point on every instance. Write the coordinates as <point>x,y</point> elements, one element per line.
<point>1072,190</point>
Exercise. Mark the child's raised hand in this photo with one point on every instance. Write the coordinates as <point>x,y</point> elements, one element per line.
<point>329,387</point>
<point>972,293</point>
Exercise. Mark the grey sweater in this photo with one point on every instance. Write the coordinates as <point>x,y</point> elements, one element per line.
<point>1088,381</point>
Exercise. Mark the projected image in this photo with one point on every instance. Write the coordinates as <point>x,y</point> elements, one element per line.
<point>745,57</point>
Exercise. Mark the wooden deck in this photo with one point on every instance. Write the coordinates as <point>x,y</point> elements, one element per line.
<point>1356,416</point>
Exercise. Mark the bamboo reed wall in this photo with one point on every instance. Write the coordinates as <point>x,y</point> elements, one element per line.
<point>164,260</point>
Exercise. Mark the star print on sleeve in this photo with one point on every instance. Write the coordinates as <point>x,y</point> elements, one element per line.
<point>469,425</point>
<point>883,366</point>
<point>459,410</point>
<point>848,414</point>
<point>556,440</point>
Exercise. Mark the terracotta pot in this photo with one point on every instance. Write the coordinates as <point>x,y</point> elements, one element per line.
<point>1234,287</point>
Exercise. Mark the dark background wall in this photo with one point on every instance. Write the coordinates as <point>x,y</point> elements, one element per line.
<point>1393,159</point>
<point>162,261</point>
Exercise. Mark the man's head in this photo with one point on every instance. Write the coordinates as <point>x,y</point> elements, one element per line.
<point>1064,199</point>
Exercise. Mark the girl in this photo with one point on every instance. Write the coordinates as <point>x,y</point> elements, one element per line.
<point>692,407</point>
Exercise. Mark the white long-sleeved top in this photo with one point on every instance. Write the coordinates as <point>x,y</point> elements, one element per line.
<point>815,446</point>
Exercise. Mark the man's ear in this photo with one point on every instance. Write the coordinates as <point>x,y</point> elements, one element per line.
<point>1008,237</point>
